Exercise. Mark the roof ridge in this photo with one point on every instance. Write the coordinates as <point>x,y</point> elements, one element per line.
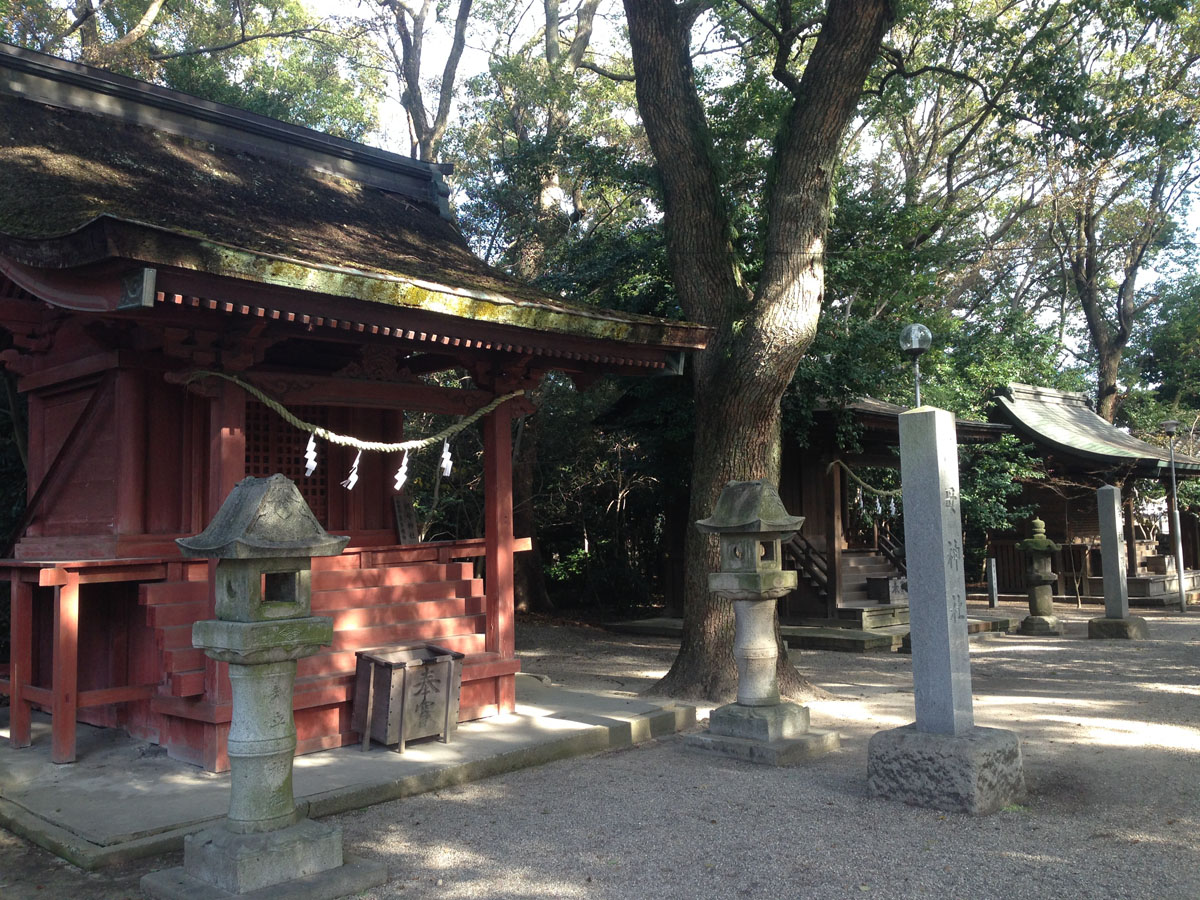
<point>61,83</point>
<point>1018,391</point>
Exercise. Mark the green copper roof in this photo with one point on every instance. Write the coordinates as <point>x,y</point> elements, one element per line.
<point>1063,423</point>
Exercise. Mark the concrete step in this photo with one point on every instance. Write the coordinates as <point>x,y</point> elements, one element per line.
<point>875,616</point>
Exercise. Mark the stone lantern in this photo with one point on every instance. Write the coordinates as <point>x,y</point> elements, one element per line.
<point>263,538</point>
<point>751,522</point>
<point>1040,576</point>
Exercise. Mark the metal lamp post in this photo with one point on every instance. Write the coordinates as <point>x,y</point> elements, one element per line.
<point>1169,427</point>
<point>914,341</point>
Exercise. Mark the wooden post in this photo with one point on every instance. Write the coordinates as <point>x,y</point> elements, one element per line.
<point>1131,552</point>
<point>64,681</point>
<point>498,531</point>
<point>21,659</point>
<point>833,542</point>
<point>131,453</point>
<point>1172,518</point>
<point>226,467</point>
<point>227,445</point>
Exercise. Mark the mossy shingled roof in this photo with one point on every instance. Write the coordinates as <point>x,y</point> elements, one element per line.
<point>61,170</point>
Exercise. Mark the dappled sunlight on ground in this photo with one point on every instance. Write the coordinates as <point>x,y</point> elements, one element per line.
<point>1045,645</point>
<point>1009,700</point>
<point>1190,690</point>
<point>455,870</point>
<point>1110,735</point>
<point>1130,733</point>
<point>835,712</point>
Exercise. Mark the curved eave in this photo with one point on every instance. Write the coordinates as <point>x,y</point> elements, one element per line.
<point>880,416</point>
<point>1078,433</point>
<point>109,238</point>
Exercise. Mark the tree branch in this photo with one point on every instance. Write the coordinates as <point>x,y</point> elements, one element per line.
<point>250,38</point>
<point>449,73</point>
<point>605,73</point>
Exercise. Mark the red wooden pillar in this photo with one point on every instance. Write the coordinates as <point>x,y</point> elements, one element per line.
<point>35,438</point>
<point>226,467</point>
<point>65,677</point>
<point>21,660</point>
<point>498,531</point>
<point>227,445</point>
<point>131,453</point>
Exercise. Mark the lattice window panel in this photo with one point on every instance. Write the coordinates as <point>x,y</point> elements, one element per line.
<point>272,445</point>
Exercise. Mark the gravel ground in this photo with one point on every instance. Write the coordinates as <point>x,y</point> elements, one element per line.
<point>1112,759</point>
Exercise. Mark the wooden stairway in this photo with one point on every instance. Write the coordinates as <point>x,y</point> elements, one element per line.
<point>857,606</point>
<point>374,601</point>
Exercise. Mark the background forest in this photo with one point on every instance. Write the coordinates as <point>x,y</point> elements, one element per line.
<point>1017,177</point>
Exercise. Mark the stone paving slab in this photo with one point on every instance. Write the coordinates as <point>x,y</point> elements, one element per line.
<point>125,799</point>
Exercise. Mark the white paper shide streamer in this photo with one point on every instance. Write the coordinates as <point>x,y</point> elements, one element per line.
<point>447,462</point>
<point>352,478</point>
<point>310,456</point>
<point>402,472</point>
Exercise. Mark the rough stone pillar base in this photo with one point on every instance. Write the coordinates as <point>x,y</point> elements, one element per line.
<point>775,735</point>
<point>1041,625</point>
<point>302,861</point>
<point>1130,627</point>
<point>977,772</point>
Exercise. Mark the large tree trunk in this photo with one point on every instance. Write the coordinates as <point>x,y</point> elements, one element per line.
<point>740,379</point>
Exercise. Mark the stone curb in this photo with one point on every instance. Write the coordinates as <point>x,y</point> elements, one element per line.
<point>605,734</point>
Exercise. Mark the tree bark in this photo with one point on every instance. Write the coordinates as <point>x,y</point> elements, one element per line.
<point>425,136</point>
<point>740,379</point>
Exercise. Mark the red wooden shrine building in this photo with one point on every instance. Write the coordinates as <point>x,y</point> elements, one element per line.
<point>836,554</point>
<point>146,236</point>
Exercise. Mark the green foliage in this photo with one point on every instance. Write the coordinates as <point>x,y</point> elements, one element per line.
<point>267,56</point>
<point>609,472</point>
<point>1170,353</point>
<point>315,83</point>
<point>989,135</point>
<point>547,160</point>
<point>990,477</point>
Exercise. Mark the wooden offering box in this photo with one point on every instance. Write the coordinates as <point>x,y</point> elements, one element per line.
<point>406,692</point>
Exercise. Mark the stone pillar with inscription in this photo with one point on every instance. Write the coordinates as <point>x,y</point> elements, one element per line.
<point>943,760</point>
<point>1116,621</point>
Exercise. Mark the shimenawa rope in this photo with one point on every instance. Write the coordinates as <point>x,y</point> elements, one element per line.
<point>346,440</point>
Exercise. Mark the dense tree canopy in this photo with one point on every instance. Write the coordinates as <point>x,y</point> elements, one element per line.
<point>268,56</point>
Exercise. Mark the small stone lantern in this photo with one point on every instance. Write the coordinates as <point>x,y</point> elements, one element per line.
<point>1040,576</point>
<point>751,522</point>
<point>263,538</point>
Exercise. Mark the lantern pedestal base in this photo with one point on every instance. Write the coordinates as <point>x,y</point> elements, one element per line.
<point>1041,625</point>
<point>1128,628</point>
<point>759,723</point>
<point>302,861</point>
<point>783,752</point>
<point>776,735</point>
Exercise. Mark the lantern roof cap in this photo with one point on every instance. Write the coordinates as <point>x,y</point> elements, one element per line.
<point>263,518</point>
<point>1037,542</point>
<point>750,507</point>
